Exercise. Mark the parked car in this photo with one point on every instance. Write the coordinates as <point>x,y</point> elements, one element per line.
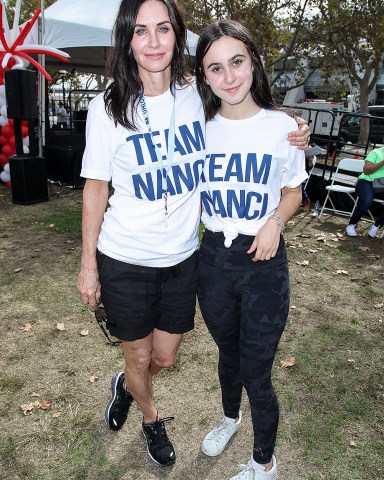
<point>350,126</point>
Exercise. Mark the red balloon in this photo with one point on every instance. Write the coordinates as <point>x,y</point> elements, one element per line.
<point>10,122</point>
<point>7,150</point>
<point>8,184</point>
<point>3,160</point>
<point>24,123</point>
<point>3,140</point>
<point>12,141</point>
<point>7,131</point>
<point>24,132</point>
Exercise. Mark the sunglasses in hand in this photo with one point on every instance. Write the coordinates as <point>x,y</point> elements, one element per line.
<point>101,318</point>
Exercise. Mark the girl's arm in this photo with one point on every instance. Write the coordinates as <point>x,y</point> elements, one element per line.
<point>267,240</point>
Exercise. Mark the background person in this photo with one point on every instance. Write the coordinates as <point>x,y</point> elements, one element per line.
<point>373,168</point>
<point>253,187</point>
<point>146,134</point>
<point>68,117</point>
<point>61,116</point>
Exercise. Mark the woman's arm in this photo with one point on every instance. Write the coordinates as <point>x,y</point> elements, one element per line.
<point>95,198</point>
<point>267,239</point>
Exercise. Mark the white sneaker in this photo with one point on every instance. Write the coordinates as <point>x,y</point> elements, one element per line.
<point>216,440</point>
<point>373,231</point>
<point>351,230</point>
<point>254,471</point>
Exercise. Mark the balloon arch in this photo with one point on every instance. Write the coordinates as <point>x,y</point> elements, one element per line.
<point>14,54</point>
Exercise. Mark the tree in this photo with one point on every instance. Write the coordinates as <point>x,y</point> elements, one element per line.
<point>280,29</point>
<point>28,8</point>
<point>353,32</point>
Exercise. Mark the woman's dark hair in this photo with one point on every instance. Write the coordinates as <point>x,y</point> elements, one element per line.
<point>260,88</point>
<point>123,93</point>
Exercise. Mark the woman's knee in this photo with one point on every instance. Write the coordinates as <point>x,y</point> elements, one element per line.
<point>137,357</point>
<point>163,360</point>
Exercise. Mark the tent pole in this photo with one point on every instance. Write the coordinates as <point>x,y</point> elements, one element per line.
<point>41,84</point>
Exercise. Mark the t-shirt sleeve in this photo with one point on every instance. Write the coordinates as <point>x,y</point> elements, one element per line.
<point>98,152</point>
<point>372,157</point>
<point>293,172</point>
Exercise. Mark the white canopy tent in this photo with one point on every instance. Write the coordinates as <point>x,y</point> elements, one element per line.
<point>83,29</point>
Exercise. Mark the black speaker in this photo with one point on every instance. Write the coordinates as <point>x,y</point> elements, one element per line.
<point>21,96</point>
<point>28,179</point>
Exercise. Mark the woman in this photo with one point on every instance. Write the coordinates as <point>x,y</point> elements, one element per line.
<point>146,134</point>
<point>373,168</point>
<point>253,182</point>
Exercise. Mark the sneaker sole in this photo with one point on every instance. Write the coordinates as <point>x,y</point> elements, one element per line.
<point>169,464</point>
<point>114,381</point>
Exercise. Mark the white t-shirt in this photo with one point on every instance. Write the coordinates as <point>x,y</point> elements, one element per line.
<point>134,229</point>
<point>248,163</point>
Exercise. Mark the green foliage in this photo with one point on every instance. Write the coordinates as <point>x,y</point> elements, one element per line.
<point>28,8</point>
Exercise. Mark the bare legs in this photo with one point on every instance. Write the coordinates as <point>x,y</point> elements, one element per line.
<point>145,358</point>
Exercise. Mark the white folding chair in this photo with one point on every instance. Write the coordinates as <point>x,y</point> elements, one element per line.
<point>340,181</point>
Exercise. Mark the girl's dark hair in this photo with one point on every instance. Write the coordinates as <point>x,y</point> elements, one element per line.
<point>123,93</point>
<point>260,88</point>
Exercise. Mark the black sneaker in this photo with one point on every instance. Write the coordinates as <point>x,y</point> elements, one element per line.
<point>117,409</point>
<point>159,447</point>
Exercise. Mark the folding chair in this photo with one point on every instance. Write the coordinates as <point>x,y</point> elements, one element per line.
<point>351,167</point>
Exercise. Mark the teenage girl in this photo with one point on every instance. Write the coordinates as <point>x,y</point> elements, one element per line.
<point>252,187</point>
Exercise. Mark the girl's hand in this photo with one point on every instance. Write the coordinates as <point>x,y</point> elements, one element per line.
<point>266,242</point>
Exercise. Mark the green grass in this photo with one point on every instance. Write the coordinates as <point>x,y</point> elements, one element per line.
<point>332,396</point>
<point>335,399</point>
<point>11,383</point>
<point>68,220</point>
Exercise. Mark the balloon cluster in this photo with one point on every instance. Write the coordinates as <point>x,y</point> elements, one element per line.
<point>14,54</point>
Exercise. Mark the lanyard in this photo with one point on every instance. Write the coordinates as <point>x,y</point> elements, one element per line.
<point>170,148</point>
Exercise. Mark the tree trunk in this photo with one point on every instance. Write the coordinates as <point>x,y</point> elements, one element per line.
<point>364,123</point>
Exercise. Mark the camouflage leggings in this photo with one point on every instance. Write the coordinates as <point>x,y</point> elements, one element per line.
<point>245,307</point>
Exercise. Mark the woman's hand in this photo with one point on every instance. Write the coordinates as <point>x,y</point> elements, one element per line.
<point>300,138</point>
<point>88,284</point>
<point>267,241</point>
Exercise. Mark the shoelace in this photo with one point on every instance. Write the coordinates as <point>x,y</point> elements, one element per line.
<point>158,428</point>
<point>245,468</point>
<point>222,428</point>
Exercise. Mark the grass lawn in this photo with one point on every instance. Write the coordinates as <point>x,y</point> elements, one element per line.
<point>55,366</point>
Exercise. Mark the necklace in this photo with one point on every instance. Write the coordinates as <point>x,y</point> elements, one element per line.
<point>170,148</point>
